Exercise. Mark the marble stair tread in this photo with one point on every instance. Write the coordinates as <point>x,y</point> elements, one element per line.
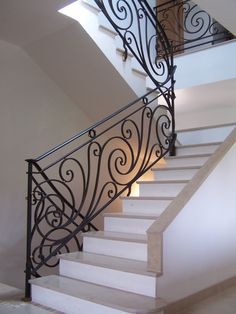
<point>153,198</point>
<point>163,182</point>
<point>111,262</point>
<point>117,236</point>
<point>105,24</point>
<point>92,4</point>
<point>109,297</point>
<point>199,145</point>
<point>187,156</point>
<point>132,216</point>
<point>176,168</point>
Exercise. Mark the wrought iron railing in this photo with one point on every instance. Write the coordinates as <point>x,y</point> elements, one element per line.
<point>69,186</point>
<point>188,26</point>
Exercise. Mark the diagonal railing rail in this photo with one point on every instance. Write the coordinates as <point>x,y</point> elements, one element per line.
<point>70,185</point>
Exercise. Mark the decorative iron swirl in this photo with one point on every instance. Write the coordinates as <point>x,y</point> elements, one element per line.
<point>188,26</point>
<point>69,186</point>
<point>142,35</point>
<point>70,193</point>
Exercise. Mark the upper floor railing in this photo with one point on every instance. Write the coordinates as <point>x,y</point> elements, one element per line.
<point>70,185</point>
<point>189,27</point>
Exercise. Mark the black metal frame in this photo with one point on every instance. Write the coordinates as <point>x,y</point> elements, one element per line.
<point>70,185</point>
<point>197,26</point>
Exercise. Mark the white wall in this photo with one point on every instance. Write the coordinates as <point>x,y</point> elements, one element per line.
<point>206,117</point>
<point>222,11</point>
<point>206,66</point>
<point>34,116</point>
<point>199,246</point>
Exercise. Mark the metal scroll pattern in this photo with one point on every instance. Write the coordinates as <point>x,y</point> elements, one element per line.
<point>100,165</point>
<point>188,26</point>
<point>142,35</point>
<point>69,186</point>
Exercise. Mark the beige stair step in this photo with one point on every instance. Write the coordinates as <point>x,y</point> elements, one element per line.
<point>175,173</point>
<point>153,206</point>
<point>104,24</point>
<point>119,273</point>
<point>197,149</point>
<point>123,222</point>
<point>111,262</point>
<point>186,160</point>
<point>92,4</point>
<point>161,188</point>
<point>187,156</point>
<point>77,297</point>
<point>119,244</point>
<point>116,236</point>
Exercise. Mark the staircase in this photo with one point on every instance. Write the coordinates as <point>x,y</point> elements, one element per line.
<point>118,269</point>
<point>110,275</point>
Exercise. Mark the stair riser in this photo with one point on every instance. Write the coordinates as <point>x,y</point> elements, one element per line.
<point>145,285</point>
<point>127,225</point>
<point>68,304</point>
<point>186,162</point>
<point>196,150</point>
<point>104,24</point>
<point>160,190</point>
<point>123,249</point>
<point>187,174</point>
<point>149,207</point>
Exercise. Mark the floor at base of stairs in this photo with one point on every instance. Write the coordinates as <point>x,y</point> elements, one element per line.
<point>221,303</point>
<point>11,302</point>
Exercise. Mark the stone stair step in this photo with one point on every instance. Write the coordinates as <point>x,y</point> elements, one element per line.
<point>187,160</point>
<point>119,244</point>
<point>164,188</point>
<point>78,297</point>
<point>123,222</point>
<point>175,173</point>
<point>109,271</point>
<point>207,148</point>
<point>145,205</point>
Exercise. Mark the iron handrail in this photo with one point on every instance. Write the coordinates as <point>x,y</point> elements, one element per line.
<point>72,183</point>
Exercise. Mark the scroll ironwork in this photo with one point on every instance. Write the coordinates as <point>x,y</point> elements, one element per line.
<point>70,185</point>
<point>188,26</point>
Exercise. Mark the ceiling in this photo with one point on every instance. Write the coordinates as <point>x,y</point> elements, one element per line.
<point>25,21</point>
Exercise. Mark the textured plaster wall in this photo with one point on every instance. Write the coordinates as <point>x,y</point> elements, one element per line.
<point>35,115</point>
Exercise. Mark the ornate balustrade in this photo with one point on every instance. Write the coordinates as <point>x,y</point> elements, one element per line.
<point>69,186</point>
<point>188,26</point>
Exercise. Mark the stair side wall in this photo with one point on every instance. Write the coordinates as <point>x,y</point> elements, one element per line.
<point>199,245</point>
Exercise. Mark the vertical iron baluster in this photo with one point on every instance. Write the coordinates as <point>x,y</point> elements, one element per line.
<point>28,235</point>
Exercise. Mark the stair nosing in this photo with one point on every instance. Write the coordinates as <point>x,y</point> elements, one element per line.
<point>141,72</point>
<point>163,182</point>
<point>107,29</point>
<point>187,156</point>
<point>110,263</point>
<point>207,127</point>
<point>100,290</point>
<point>131,216</point>
<point>199,145</point>
<point>177,168</point>
<point>121,51</point>
<point>92,6</point>
<point>117,236</point>
<point>149,198</point>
